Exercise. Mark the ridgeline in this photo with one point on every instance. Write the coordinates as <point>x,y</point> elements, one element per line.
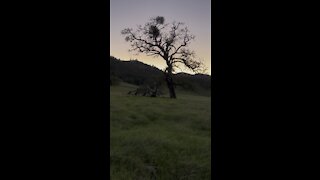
<point>138,73</point>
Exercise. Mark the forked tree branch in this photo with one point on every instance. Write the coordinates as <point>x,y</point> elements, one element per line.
<point>156,38</point>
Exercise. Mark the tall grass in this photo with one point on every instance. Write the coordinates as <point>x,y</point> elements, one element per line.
<point>159,138</point>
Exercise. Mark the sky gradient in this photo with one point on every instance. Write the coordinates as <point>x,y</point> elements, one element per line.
<point>196,14</point>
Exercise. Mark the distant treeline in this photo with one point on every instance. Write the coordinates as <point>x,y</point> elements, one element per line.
<point>138,73</point>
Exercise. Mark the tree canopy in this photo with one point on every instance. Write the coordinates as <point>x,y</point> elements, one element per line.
<point>168,40</point>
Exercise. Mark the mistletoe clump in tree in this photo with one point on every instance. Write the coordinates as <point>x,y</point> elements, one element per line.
<point>169,41</point>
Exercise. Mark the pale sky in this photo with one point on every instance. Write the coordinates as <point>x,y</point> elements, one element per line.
<point>196,14</point>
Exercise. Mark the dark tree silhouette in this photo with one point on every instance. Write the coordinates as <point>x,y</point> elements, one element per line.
<point>169,41</point>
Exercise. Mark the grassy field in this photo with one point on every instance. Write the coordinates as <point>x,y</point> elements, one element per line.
<point>159,138</point>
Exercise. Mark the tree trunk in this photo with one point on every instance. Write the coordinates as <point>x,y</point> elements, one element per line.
<point>170,85</point>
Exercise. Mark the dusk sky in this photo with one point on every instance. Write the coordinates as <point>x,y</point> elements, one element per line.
<point>196,14</point>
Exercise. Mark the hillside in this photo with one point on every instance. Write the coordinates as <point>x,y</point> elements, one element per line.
<point>138,73</point>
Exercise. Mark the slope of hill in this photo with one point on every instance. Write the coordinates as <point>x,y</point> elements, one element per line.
<point>138,73</point>
<point>134,72</point>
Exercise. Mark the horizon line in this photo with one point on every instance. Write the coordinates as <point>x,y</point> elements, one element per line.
<point>157,67</point>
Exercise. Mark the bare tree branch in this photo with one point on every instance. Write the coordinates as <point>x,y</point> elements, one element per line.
<point>156,38</point>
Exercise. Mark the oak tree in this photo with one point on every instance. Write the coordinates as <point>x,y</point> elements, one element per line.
<point>166,40</point>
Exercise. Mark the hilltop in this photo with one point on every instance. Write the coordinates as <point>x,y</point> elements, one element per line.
<point>138,73</point>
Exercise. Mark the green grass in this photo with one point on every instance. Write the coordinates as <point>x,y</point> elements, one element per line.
<point>159,138</point>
